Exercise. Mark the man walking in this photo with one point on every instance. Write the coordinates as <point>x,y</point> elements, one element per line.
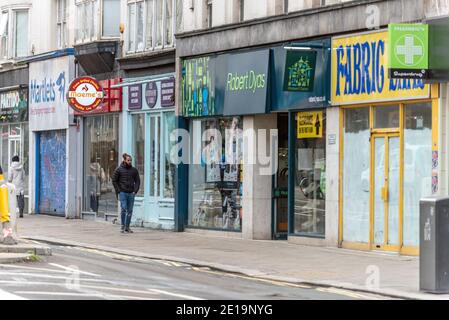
<point>126,181</point>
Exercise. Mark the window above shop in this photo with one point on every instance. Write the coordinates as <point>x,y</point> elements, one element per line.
<point>97,20</point>
<point>151,24</point>
<point>14,33</point>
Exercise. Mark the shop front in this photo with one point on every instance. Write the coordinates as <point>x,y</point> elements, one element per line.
<point>220,93</point>
<point>388,146</point>
<point>14,129</point>
<point>250,172</point>
<point>52,140</point>
<point>300,98</point>
<point>149,120</point>
<point>101,138</point>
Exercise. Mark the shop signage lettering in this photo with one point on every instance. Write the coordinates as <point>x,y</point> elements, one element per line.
<point>47,89</point>
<point>168,93</point>
<point>409,50</point>
<point>360,66</point>
<point>151,94</point>
<point>300,71</point>
<point>310,125</point>
<point>85,94</point>
<point>9,100</point>
<point>250,81</point>
<point>135,97</point>
<point>14,106</point>
<point>245,83</point>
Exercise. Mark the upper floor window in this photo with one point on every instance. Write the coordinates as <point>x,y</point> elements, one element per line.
<point>61,23</point>
<point>89,20</point>
<point>4,43</point>
<point>21,33</point>
<point>209,13</point>
<point>111,18</point>
<point>242,10</point>
<point>86,20</point>
<point>152,24</point>
<point>14,31</point>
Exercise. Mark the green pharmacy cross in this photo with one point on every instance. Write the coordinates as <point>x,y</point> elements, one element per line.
<point>409,50</point>
<point>408,47</point>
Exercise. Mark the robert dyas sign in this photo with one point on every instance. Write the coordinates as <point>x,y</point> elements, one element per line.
<point>85,94</point>
<point>246,83</point>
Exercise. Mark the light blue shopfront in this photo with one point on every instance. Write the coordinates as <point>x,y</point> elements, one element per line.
<point>148,120</point>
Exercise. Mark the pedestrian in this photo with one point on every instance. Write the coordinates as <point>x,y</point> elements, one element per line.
<point>126,181</point>
<point>16,176</point>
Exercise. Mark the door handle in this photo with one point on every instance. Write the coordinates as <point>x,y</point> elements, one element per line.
<point>384,194</point>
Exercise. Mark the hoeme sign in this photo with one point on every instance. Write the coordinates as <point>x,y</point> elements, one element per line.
<point>85,94</point>
<point>360,72</point>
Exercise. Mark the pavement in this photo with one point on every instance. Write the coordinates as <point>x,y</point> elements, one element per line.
<point>386,274</point>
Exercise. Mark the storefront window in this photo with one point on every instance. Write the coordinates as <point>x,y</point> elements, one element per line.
<point>139,148</point>
<point>310,183</point>
<point>215,185</point>
<point>101,160</point>
<point>169,126</point>
<point>14,142</point>
<point>386,117</point>
<point>356,175</point>
<point>417,166</point>
<point>4,130</point>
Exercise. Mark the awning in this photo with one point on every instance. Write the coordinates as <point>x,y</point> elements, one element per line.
<point>134,81</point>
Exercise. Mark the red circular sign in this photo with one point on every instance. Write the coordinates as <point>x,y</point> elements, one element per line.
<point>85,94</point>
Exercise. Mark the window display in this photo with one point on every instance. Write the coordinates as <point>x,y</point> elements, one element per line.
<point>101,158</point>
<point>216,183</point>
<point>310,174</point>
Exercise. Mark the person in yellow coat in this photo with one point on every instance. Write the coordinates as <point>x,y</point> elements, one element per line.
<point>4,207</point>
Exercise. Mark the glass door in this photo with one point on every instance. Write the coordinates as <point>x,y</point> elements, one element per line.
<point>385,198</point>
<point>155,156</point>
<point>281,181</point>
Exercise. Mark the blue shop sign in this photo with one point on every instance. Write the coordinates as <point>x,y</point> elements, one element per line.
<point>311,76</point>
<point>254,82</point>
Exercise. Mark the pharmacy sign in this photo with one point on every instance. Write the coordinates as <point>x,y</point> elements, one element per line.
<point>408,47</point>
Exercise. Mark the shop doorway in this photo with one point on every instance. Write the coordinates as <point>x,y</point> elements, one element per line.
<point>385,226</point>
<point>52,172</point>
<point>280,193</point>
<point>389,155</point>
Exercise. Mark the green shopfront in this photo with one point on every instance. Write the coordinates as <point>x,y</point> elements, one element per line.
<point>256,166</point>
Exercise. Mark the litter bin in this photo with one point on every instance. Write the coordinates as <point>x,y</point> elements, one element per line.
<point>434,245</point>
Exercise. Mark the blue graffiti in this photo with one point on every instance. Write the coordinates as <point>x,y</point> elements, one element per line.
<point>44,91</point>
<point>52,172</point>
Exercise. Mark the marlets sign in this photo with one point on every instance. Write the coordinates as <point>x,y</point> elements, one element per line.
<point>85,94</point>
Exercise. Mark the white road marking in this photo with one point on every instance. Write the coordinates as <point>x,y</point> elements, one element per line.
<point>9,296</point>
<point>62,284</point>
<point>74,294</point>
<point>32,275</point>
<point>183,296</point>
<point>74,270</point>
<point>10,266</point>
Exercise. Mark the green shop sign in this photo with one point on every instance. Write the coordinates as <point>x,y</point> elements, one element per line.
<point>408,47</point>
<point>246,83</point>
<point>300,70</point>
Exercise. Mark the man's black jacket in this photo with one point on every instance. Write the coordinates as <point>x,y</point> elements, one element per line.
<point>126,179</point>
